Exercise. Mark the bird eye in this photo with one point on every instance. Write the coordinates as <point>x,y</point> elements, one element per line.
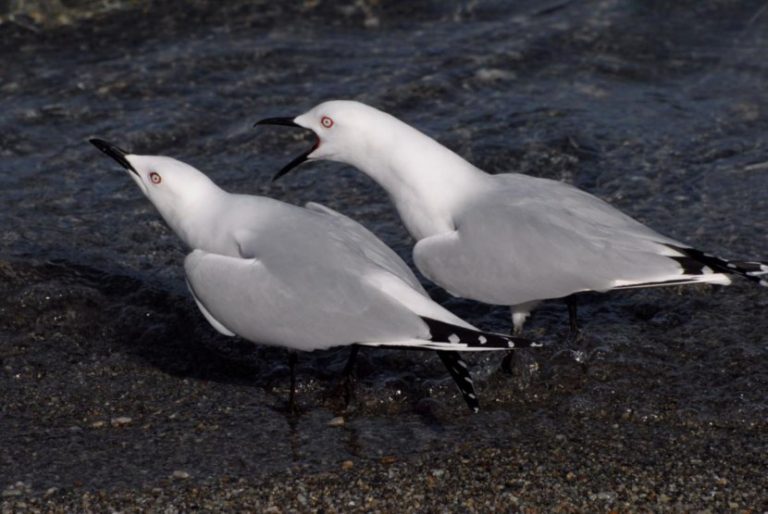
<point>155,178</point>
<point>326,121</point>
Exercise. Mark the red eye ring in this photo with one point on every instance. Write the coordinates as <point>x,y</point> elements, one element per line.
<point>326,122</point>
<point>155,177</point>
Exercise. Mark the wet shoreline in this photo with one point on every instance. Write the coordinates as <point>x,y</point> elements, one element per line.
<point>115,393</point>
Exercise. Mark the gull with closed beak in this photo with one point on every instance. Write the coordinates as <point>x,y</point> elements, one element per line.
<point>300,278</point>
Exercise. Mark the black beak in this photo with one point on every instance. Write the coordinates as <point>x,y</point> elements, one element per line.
<point>115,152</point>
<point>288,122</point>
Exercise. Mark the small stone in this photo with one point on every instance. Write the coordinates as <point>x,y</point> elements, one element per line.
<point>606,496</point>
<point>347,464</point>
<point>11,492</point>
<point>388,459</point>
<point>338,421</point>
<point>98,424</point>
<point>50,492</point>
<point>180,474</point>
<point>663,498</point>
<point>437,473</point>
<point>121,421</point>
<point>570,476</point>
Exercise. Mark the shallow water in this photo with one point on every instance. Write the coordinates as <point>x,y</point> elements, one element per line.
<point>659,107</point>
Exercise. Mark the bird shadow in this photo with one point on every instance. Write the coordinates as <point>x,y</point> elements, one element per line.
<point>164,328</point>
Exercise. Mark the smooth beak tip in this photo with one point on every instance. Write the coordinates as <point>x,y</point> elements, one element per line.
<point>117,153</point>
<point>280,174</point>
<point>286,122</point>
<point>100,144</point>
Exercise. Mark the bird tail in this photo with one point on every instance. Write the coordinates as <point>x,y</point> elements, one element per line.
<point>464,339</point>
<point>755,271</point>
<point>450,337</point>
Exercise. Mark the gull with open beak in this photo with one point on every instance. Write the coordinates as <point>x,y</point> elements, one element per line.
<point>507,239</point>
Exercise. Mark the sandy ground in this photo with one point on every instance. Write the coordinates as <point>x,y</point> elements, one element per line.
<point>115,395</point>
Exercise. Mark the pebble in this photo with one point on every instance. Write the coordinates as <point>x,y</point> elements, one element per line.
<point>16,489</point>
<point>347,464</point>
<point>338,421</point>
<point>121,421</point>
<point>180,474</point>
<point>606,496</point>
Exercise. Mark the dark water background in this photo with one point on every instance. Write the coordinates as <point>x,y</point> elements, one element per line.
<point>660,107</point>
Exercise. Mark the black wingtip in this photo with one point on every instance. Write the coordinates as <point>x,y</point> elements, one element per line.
<point>467,339</point>
<point>696,262</point>
<point>459,370</point>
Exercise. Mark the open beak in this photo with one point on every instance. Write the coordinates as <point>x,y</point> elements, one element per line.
<point>288,122</point>
<point>115,152</point>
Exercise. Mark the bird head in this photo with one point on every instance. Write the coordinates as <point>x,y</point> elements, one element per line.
<point>345,131</point>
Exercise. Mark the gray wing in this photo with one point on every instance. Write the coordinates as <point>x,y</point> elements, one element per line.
<point>373,247</point>
<point>306,280</point>
<point>307,302</point>
<point>528,239</point>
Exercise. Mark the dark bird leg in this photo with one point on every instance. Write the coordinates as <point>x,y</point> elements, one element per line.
<point>506,362</point>
<point>349,383</point>
<point>573,320</point>
<point>575,343</point>
<point>292,395</point>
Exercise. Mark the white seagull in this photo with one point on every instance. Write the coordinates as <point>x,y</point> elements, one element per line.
<point>507,239</point>
<point>300,278</point>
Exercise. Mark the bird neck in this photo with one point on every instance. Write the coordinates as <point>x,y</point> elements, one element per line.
<point>426,181</point>
<point>194,218</point>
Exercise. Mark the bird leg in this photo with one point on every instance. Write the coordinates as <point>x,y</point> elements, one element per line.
<point>573,320</point>
<point>575,343</point>
<point>506,362</point>
<point>575,337</point>
<point>349,383</point>
<point>520,313</point>
<point>292,394</point>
